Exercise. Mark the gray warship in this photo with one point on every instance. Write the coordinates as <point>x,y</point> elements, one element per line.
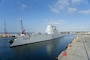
<point>50,34</point>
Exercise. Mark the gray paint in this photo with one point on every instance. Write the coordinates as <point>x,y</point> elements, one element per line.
<point>51,33</point>
<point>34,38</point>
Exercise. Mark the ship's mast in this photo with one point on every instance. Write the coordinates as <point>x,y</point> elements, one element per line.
<point>5,29</point>
<point>23,30</point>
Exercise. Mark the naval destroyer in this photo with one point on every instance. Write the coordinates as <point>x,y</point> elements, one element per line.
<point>50,34</point>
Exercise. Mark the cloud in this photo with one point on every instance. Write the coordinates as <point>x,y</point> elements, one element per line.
<point>76,1</point>
<point>79,1</point>
<point>55,10</point>
<point>65,6</point>
<point>85,11</point>
<point>22,6</point>
<point>54,22</point>
<point>71,10</point>
<point>59,5</point>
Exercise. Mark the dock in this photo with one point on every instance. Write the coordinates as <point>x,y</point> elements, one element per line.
<point>78,49</point>
<point>8,35</point>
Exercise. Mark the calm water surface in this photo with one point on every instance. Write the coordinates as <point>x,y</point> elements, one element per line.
<point>47,50</point>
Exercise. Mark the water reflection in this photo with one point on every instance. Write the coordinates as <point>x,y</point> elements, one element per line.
<point>48,46</point>
<point>47,50</point>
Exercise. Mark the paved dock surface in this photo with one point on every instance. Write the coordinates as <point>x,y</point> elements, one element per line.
<point>79,49</point>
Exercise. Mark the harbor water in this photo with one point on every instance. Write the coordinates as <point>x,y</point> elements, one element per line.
<point>46,50</point>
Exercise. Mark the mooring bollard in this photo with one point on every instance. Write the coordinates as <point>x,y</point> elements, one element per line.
<point>64,53</point>
<point>69,46</point>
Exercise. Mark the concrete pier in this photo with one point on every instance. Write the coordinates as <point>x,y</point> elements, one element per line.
<point>8,35</point>
<point>79,49</point>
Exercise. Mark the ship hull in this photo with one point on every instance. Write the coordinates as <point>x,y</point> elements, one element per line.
<point>34,38</point>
